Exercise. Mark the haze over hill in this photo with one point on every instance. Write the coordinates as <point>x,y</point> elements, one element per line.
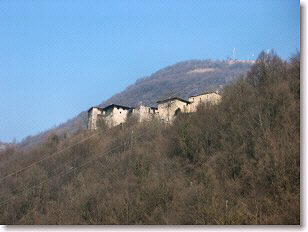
<point>182,79</point>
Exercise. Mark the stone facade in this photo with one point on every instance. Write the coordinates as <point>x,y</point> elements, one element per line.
<point>145,113</point>
<point>93,115</point>
<point>205,98</point>
<point>167,110</point>
<point>170,107</point>
<point>115,114</point>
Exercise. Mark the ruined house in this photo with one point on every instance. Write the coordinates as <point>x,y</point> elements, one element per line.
<point>170,107</point>
<point>166,111</point>
<point>144,113</point>
<point>204,98</point>
<point>93,116</point>
<point>113,115</point>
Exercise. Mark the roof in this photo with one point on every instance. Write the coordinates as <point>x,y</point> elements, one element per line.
<point>115,105</point>
<point>204,93</point>
<point>151,107</point>
<point>95,107</point>
<point>173,98</point>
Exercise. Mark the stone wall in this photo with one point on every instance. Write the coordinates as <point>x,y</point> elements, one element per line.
<point>115,116</point>
<point>167,110</point>
<point>93,115</point>
<point>207,98</point>
<point>145,113</point>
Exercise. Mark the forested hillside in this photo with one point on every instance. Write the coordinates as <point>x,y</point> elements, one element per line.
<point>233,163</point>
<point>182,79</point>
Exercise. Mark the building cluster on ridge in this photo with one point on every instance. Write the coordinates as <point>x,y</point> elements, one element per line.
<point>166,111</point>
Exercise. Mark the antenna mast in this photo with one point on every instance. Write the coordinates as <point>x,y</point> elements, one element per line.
<point>233,54</point>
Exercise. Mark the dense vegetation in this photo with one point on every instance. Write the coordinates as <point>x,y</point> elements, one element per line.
<point>234,163</point>
<point>175,79</point>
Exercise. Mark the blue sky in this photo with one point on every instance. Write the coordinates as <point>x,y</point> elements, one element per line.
<point>58,58</point>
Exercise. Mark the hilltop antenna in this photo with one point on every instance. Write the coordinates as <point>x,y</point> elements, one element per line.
<point>233,54</point>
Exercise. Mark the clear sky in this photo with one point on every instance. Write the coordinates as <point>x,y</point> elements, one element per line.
<point>58,58</point>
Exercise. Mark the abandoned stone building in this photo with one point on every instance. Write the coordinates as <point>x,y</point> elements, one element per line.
<point>170,107</point>
<point>144,113</point>
<point>207,98</point>
<point>93,114</point>
<point>166,111</point>
<point>113,115</point>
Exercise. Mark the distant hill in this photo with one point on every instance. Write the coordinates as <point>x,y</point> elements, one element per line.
<point>182,79</point>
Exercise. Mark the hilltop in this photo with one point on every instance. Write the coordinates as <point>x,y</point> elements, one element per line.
<point>181,79</point>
